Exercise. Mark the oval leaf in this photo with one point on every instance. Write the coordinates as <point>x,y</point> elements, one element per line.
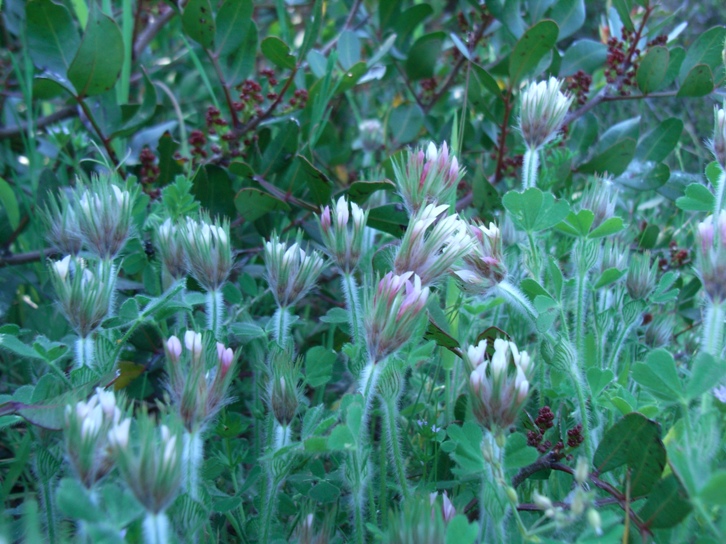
<point>652,69</point>
<point>277,52</point>
<point>534,44</point>
<point>198,22</point>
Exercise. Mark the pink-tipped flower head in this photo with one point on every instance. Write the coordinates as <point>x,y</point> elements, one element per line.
<point>208,251</point>
<point>393,313</point>
<point>498,389</point>
<point>343,239</point>
<point>543,108</point>
<point>432,244</point>
<point>427,176</point>
<point>291,272</point>
<point>711,257</point>
<point>173,349</point>
<point>483,268</point>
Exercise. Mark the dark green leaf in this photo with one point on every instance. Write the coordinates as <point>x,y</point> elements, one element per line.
<point>348,49</point>
<point>531,48</point>
<point>423,55</point>
<point>713,492</point>
<point>599,379</point>
<point>360,190</point>
<point>351,77</point>
<point>99,59</point>
<point>75,502</point>
<point>667,504</point>
<point>677,54</point>
<point>405,123</point>
<point>609,276</point>
<point>233,21</point>
<point>198,22</point>
<point>252,203</point>
<point>706,49</point>
<point>577,224</point>
<point>635,441</point>
<point>486,80</point>
<point>143,113</point>
<point>585,55</point>
<point>697,199</point>
<point>517,453</point>
<point>319,366</point>
<point>607,228</point>
<point>390,218</point>
<point>316,183</point>
<point>341,438</point>
<point>698,82</point>
<point>52,37</point>
<point>652,69</point>
<point>277,52</point>
<point>324,492</point>
<point>623,7</point>
<point>569,16</point>
<point>613,160</point>
<point>460,531</point>
<point>659,142</point>
<point>213,189</point>
<point>282,149</point>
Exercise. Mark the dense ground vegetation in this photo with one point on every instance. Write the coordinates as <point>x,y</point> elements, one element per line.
<point>362,271</point>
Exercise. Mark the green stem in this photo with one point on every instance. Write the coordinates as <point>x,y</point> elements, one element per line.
<point>156,528</point>
<point>192,457</point>
<point>617,346</point>
<point>47,491</point>
<point>719,188</point>
<point>391,422</point>
<point>580,315</point>
<point>352,301</point>
<point>584,414</point>
<point>712,341</point>
<point>215,311</point>
<point>529,168</point>
<point>281,321</point>
<point>358,499</point>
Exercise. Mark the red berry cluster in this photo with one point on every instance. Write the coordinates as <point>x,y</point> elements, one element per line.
<point>149,172</point>
<point>574,436</point>
<point>621,63</point>
<point>544,422</point>
<point>677,258</point>
<point>428,86</point>
<point>658,40</point>
<point>579,85</point>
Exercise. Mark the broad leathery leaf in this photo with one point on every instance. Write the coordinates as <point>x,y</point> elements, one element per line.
<point>534,44</point>
<point>198,22</point>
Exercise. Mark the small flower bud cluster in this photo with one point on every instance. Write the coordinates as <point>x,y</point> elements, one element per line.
<point>86,430</point>
<point>542,112</point>
<point>291,272</point>
<point>198,389</point>
<point>447,508</point>
<point>282,391</point>
<point>432,243</point>
<point>483,267</point>
<point>711,257</point>
<point>600,198</point>
<point>208,250</point>
<point>393,313</point>
<point>97,218</point>
<point>104,217</point>
<point>171,249</point>
<point>426,177</point>
<point>417,521</point>
<point>343,238</point>
<point>85,294</point>
<point>641,277</point>
<point>497,395</point>
<point>370,135</point>
<point>63,231</point>
<point>151,463</point>
<point>717,144</point>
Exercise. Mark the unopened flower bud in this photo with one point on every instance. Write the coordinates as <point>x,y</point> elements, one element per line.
<point>542,112</point>
<point>582,470</point>
<point>343,240</point>
<point>641,278</point>
<point>174,348</point>
<point>291,272</point>
<point>593,518</point>
<point>193,342</point>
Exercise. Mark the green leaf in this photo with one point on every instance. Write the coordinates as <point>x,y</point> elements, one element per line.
<point>698,82</point>
<point>609,276</point>
<point>633,441</point>
<point>659,142</point>
<point>569,16</point>
<point>531,48</point>
<point>598,379</point>
<point>442,338</point>
<point>697,199</point>
<point>319,363</point>
<point>52,37</point>
<point>405,122</point>
<point>652,69</point>
<point>533,210</point>
<point>316,183</point>
<point>277,52</point>
<point>360,190</point>
<point>585,55</point>
<point>608,227</point>
<point>467,447</point>
<point>460,531</point>
<point>666,505</point>
<point>713,173</point>
<point>324,492</point>
<point>75,502</point>
<point>348,49</point>
<point>422,57</point>
<point>390,218</point>
<point>713,492</point>
<point>486,80</point>
<point>677,55</point>
<point>706,49</point>
<point>613,160</point>
<point>517,453</point>
<point>9,204</point>
<point>198,22</point>
<point>706,372</point>
<point>233,21</point>
<point>143,114</point>
<point>14,345</point>
<point>252,203</point>
<point>350,77</point>
<point>577,224</point>
<point>341,438</point>
<point>658,374</point>
<point>213,188</point>
<point>283,148</point>
<point>99,59</point>
<point>623,8</point>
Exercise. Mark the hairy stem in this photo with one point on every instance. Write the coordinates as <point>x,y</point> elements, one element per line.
<point>215,311</point>
<point>156,528</point>
<point>530,166</point>
<point>192,457</point>
<point>352,301</point>
<point>85,352</point>
<point>391,423</point>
